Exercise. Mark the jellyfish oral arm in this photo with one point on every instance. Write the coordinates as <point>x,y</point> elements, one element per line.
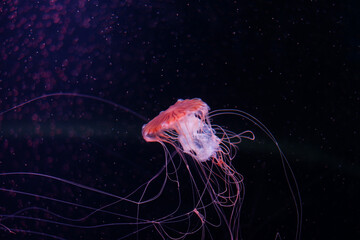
<point>197,138</point>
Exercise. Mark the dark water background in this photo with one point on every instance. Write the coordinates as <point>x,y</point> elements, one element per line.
<point>292,65</point>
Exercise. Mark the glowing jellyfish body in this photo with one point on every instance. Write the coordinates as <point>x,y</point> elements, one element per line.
<point>185,122</point>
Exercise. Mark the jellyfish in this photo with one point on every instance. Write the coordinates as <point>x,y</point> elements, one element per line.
<point>190,191</point>
<point>186,126</point>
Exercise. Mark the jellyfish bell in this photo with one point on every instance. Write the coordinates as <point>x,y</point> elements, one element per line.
<point>186,122</point>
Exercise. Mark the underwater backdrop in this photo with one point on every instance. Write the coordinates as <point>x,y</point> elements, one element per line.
<point>294,66</point>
